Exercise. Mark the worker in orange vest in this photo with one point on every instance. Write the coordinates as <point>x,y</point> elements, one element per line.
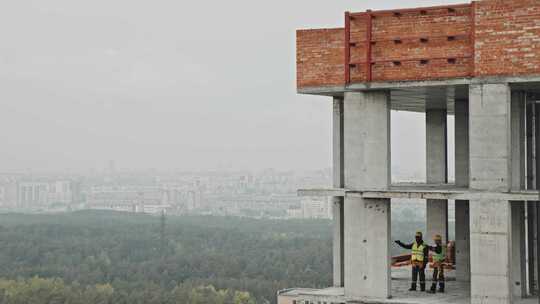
<point>419,259</point>
<point>439,256</point>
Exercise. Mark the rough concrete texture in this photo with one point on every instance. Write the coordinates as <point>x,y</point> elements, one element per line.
<point>489,130</point>
<point>519,283</point>
<point>338,180</point>
<point>518,140</point>
<point>463,257</point>
<point>367,140</point>
<point>436,146</point>
<point>367,248</point>
<point>437,219</point>
<point>337,241</point>
<point>436,171</point>
<point>461,109</point>
<point>367,221</point>
<point>490,252</point>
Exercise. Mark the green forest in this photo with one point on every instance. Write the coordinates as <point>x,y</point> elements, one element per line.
<point>111,257</point>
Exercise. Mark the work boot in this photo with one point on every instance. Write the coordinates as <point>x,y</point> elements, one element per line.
<point>433,288</point>
<point>413,287</point>
<point>441,287</point>
<point>422,286</point>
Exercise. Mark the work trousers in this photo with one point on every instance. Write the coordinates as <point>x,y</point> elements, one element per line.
<point>438,274</point>
<point>418,269</point>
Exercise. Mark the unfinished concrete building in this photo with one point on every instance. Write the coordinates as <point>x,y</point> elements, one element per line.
<point>479,62</point>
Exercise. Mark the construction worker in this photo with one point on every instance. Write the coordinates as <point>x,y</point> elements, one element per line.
<point>439,256</point>
<point>419,259</point>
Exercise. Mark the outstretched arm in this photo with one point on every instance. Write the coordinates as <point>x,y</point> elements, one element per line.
<point>406,246</point>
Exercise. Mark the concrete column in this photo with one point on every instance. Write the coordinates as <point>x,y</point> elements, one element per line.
<point>531,247</point>
<point>463,256</point>
<point>518,140</point>
<point>490,252</point>
<point>489,134</point>
<point>531,181</point>
<point>436,171</point>
<point>367,221</point>
<point>519,280</point>
<point>461,109</point>
<point>490,219</point>
<point>338,180</point>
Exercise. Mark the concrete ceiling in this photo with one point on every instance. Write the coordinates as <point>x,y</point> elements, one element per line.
<point>422,98</point>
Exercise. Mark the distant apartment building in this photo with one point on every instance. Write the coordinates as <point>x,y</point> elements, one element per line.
<point>33,194</point>
<point>147,199</point>
<point>311,208</point>
<point>39,194</point>
<point>8,194</point>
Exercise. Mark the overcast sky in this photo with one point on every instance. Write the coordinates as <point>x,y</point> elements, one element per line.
<point>166,84</point>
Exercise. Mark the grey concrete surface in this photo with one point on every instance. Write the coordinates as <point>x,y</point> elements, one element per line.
<point>490,219</point>
<point>367,140</point>
<point>489,129</point>
<point>519,280</point>
<point>338,182</point>
<point>436,171</point>
<point>463,255</point>
<point>461,142</point>
<point>366,120</point>
<point>457,292</point>
<point>518,140</point>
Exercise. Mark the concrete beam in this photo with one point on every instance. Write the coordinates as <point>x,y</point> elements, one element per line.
<point>367,221</point>
<point>339,90</point>
<point>443,194</point>
<point>338,202</point>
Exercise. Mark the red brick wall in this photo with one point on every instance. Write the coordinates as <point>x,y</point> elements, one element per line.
<point>358,49</point>
<point>507,37</point>
<point>409,28</point>
<point>505,33</point>
<point>320,57</point>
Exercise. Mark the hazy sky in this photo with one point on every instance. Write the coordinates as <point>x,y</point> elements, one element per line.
<point>166,84</point>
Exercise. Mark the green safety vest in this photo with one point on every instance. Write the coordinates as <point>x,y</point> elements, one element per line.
<point>417,252</point>
<point>440,257</point>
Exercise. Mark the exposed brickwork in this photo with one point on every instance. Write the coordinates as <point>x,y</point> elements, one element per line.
<point>358,49</point>
<point>426,44</point>
<point>411,37</point>
<point>319,57</point>
<point>507,37</point>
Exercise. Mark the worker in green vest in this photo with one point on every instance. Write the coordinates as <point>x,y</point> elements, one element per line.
<point>419,259</point>
<point>439,257</point>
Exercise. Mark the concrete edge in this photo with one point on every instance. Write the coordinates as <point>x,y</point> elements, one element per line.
<point>338,91</point>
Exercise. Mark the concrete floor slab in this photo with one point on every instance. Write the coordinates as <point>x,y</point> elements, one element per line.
<point>456,292</point>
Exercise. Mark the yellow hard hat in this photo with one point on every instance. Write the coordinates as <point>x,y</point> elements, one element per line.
<point>418,234</point>
<point>437,237</point>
